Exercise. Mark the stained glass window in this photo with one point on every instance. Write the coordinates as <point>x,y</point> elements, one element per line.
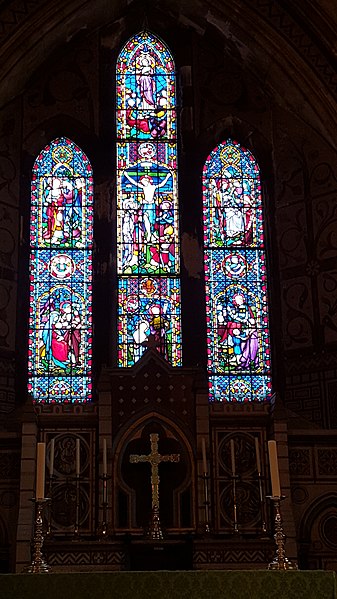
<point>60,326</point>
<point>147,202</point>
<point>235,273</point>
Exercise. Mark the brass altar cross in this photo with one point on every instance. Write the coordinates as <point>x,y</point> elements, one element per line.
<point>154,458</point>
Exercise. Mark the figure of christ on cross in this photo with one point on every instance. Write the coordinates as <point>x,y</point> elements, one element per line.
<point>154,458</point>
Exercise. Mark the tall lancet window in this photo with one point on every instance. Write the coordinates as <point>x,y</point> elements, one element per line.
<point>235,273</point>
<point>60,326</point>
<point>148,253</point>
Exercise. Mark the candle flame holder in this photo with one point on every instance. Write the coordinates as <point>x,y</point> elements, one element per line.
<point>280,561</point>
<point>38,565</point>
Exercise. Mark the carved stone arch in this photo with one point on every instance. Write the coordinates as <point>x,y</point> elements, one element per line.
<point>132,482</point>
<point>318,533</point>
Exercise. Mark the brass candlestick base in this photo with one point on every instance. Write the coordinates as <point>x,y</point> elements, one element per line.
<point>280,561</point>
<point>155,531</point>
<point>38,565</point>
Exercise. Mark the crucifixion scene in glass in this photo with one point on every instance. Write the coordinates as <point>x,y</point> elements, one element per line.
<point>148,251</point>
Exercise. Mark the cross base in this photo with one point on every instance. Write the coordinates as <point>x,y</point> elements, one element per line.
<point>155,532</point>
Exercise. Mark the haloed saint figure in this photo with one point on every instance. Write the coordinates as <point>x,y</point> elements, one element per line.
<point>237,333</point>
<point>62,211</point>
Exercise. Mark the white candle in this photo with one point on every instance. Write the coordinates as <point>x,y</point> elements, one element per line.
<point>257,453</point>
<point>204,459</point>
<point>77,457</point>
<point>40,470</point>
<point>105,467</point>
<point>51,457</point>
<point>274,471</point>
<point>233,457</point>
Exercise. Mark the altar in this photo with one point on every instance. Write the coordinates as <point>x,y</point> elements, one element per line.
<point>148,490</point>
<point>171,585</point>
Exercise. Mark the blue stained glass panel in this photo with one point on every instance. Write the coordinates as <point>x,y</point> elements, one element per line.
<point>148,248</point>
<point>235,277</point>
<point>147,214</point>
<point>149,316</point>
<point>60,336</point>
<point>145,90</point>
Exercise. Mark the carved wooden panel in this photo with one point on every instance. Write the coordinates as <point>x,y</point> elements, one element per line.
<point>250,513</point>
<point>62,486</point>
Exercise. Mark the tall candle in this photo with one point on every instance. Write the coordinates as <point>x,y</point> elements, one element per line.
<point>77,457</point>
<point>105,468</point>
<point>274,471</point>
<point>257,453</point>
<point>233,457</point>
<point>51,457</point>
<point>40,470</point>
<point>204,459</point>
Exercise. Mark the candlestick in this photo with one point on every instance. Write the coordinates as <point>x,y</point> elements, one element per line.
<point>280,561</point>
<point>105,468</point>
<point>38,565</point>
<point>204,458</point>
<point>77,457</point>
<point>51,457</point>
<point>40,470</point>
<point>233,457</point>
<point>274,471</point>
<point>257,453</point>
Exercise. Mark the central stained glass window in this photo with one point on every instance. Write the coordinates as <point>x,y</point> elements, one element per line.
<point>235,277</point>
<point>148,251</point>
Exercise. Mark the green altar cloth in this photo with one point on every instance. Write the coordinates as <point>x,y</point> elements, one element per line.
<point>257,584</point>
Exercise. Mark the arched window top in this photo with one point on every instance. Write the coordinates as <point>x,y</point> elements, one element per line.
<point>230,160</point>
<point>235,277</point>
<point>145,89</point>
<point>62,157</point>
